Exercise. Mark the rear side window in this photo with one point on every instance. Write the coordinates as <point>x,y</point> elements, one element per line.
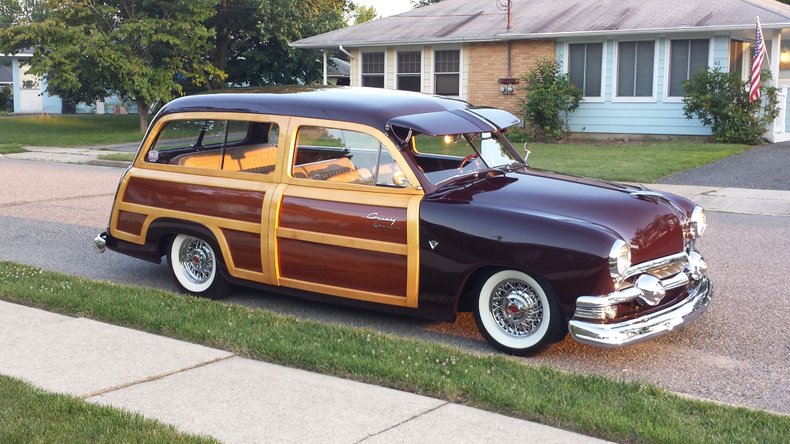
<point>227,145</point>
<point>345,156</point>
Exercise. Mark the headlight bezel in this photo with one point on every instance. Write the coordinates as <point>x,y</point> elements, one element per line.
<point>619,259</point>
<point>698,222</point>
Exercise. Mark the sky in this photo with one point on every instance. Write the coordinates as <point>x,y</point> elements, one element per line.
<point>387,7</point>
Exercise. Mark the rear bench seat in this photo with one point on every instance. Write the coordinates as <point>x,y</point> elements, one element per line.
<point>259,158</point>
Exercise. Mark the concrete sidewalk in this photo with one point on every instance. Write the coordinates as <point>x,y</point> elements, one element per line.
<point>213,392</point>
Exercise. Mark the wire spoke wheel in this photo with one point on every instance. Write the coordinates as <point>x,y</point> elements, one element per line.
<point>516,313</point>
<point>195,264</point>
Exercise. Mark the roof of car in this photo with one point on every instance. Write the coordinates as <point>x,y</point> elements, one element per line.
<point>369,106</point>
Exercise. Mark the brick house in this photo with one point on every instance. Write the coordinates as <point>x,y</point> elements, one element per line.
<point>629,57</point>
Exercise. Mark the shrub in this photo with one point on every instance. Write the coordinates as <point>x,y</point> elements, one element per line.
<point>550,97</point>
<point>720,100</point>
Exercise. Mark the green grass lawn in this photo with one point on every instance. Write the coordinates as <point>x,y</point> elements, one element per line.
<point>31,415</point>
<point>637,162</point>
<point>70,130</point>
<point>121,157</point>
<point>593,405</point>
<point>11,148</point>
<point>641,162</point>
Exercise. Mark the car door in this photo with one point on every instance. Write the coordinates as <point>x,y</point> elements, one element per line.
<point>347,223</point>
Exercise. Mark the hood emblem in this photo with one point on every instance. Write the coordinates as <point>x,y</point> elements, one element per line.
<point>433,244</point>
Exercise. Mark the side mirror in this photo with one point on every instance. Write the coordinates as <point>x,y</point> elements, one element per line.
<point>527,152</point>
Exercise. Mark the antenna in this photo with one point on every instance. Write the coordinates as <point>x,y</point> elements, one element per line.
<point>506,5</point>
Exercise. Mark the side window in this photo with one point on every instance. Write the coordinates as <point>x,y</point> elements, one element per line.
<point>228,145</point>
<point>337,155</point>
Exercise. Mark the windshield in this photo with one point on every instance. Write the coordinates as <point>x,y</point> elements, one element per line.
<point>442,158</point>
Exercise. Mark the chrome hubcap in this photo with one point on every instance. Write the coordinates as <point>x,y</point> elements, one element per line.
<point>516,308</point>
<point>197,260</point>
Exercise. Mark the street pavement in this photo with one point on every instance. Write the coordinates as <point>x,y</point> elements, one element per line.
<point>51,211</point>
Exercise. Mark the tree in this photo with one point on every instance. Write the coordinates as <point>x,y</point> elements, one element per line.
<point>420,3</point>
<point>720,100</point>
<point>259,53</point>
<point>364,14</point>
<point>550,97</point>
<point>141,50</point>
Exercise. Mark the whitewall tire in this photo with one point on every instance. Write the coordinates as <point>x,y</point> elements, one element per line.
<point>195,266</point>
<point>516,313</point>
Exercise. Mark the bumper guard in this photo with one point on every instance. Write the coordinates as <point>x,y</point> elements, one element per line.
<point>648,326</point>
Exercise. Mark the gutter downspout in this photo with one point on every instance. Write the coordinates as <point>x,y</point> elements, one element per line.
<point>343,50</point>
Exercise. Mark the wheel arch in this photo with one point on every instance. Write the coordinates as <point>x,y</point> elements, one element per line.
<point>163,230</point>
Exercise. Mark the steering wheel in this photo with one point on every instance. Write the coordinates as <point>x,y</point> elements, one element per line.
<point>466,161</point>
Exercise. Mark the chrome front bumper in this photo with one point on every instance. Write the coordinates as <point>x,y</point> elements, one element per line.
<point>648,326</point>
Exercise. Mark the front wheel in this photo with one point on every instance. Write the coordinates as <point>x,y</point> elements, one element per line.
<point>195,267</point>
<point>516,313</point>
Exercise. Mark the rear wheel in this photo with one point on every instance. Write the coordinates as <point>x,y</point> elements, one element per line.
<point>195,266</point>
<point>516,313</point>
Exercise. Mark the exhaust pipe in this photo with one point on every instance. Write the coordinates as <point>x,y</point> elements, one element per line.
<point>100,242</point>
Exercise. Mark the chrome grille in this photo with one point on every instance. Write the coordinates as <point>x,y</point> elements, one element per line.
<point>662,268</point>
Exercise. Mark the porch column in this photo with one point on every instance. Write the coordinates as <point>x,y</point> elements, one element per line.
<point>777,129</point>
<point>16,76</point>
<point>323,51</point>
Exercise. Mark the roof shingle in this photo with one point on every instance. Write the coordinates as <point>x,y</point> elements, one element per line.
<point>483,20</point>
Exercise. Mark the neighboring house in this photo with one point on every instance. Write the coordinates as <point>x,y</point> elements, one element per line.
<point>629,56</point>
<point>30,91</point>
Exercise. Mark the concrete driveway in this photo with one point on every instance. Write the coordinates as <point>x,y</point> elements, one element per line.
<point>764,168</point>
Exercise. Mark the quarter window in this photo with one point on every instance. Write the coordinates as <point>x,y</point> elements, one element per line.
<point>228,145</point>
<point>447,72</point>
<point>686,58</point>
<point>373,69</point>
<point>344,156</point>
<point>410,71</point>
<point>635,69</point>
<point>584,67</point>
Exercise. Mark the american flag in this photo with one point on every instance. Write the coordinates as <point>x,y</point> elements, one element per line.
<point>757,62</point>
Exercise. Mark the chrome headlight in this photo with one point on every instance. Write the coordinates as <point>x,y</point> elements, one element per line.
<point>698,222</point>
<point>619,259</point>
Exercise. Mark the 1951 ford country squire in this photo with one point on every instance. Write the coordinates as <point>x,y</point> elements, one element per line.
<point>406,202</point>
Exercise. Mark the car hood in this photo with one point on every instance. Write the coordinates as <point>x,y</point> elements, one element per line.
<point>652,227</point>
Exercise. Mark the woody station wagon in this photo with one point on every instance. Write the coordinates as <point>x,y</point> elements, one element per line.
<point>405,202</point>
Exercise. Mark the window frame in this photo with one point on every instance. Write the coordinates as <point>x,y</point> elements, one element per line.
<point>567,66</point>
<point>297,123</point>
<point>153,135</point>
<point>668,63</point>
<point>419,75</point>
<point>362,66</point>
<point>616,68</point>
<point>460,68</point>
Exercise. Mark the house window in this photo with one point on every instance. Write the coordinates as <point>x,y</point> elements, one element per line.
<point>447,72</point>
<point>373,69</point>
<point>686,58</point>
<point>585,63</point>
<point>410,71</point>
<point>635,69</point>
